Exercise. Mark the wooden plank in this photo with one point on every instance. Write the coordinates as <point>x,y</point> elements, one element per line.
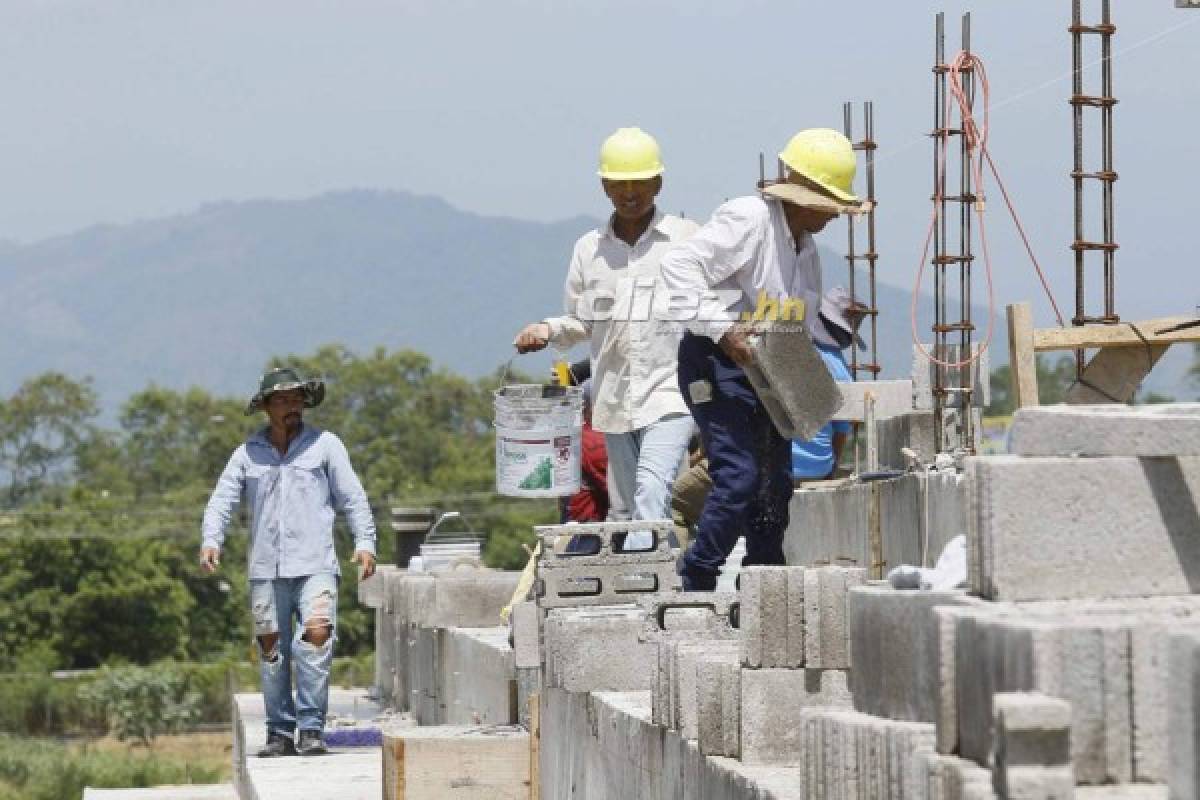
<point>1121,335</point>
<point>456,763</point>
<point>1022,356</point>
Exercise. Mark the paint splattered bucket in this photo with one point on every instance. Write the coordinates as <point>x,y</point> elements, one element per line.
<point>539,430</point>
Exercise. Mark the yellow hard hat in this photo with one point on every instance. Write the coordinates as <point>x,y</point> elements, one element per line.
<point>630,154</point>
<point>824,157</point>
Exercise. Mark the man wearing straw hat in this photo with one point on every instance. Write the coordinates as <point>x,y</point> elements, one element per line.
<point>296,477</point>
<point>754,258</point>
<point>612,290</point>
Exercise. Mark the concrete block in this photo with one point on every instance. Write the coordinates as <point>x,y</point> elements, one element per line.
<point>460,598</point>
<point>1032,748</point>
<point>683,686</point>
<point>527,635</point>
<point>456,763</point>
<point>772,616</point>
<point>791,380</point>
<point>597,649</point>
<point>718,707</point>
<point>943,777</point>
<point>913,430</point>
<point>602,539</point>
<point>892,399</point>
<point>923,375</point>
<point>895,640</point>
<point>826,626</point>
<point>847,754</point>
<point>1047,528</point>
<point>689,615</point>
<point>1083,660</point>
<point>478,680</point>
<point>1184,715</point>
<point>772,701</point>
<point>1109,430</point>
<point>373,591</point>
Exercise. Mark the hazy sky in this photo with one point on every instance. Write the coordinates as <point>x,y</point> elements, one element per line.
<point>123,109</point>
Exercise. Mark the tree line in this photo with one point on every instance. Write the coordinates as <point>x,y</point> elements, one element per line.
<point>99,526</point>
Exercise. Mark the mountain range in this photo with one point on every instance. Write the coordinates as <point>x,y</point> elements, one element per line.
<point>205,298</point>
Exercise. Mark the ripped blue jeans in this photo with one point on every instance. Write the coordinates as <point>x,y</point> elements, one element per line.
<point>276,606</point>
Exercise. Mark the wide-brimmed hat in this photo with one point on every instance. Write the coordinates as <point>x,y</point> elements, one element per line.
<point>799,191</point>
<point>284,379</point>
<point>845,313</point>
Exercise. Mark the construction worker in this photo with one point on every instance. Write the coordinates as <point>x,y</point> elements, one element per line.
<point>755,257</point>
<point>612,302</point>
<point>295,477</point>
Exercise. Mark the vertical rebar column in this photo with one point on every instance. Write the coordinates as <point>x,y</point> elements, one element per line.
<point>953,388</point>
<point>1106,175</point>
<point>867,146</point>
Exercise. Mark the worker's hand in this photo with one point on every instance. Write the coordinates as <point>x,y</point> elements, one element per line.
<point>533,337</point>
<point>736,346</point>
<point>210,559</point>
<point>366,564</point>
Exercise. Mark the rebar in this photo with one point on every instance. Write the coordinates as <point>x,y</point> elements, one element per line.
<point>867,145</point>
<point>1106,175</point>
<point>952,392</point>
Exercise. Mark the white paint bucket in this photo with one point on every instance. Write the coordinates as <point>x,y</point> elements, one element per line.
<point>539,430</point>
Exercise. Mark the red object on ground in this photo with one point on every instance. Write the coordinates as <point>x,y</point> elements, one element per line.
<point>590,503</point>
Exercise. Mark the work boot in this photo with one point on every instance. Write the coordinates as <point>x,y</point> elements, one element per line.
<point>309,744</point>
<point>278,744</point>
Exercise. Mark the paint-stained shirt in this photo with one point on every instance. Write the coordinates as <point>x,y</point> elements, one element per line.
<point>743,260</point>
<point>614,297</point>
<point>293,499</point>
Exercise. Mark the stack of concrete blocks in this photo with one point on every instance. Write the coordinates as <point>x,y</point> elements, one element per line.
<point>795,654</point>
<point>1085,539</point>
<point>417,617</point>
<point>696,688</point>
<point>850,754</point>
<point>1032,755</point>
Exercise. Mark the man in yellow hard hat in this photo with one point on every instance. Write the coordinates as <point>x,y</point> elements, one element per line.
<point>754,258</point>
<point>612,302</point>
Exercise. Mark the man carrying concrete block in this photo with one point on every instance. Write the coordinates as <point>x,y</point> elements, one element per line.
<point>756,253</point>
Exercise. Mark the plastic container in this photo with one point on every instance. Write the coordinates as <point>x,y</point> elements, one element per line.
<point>539,430</point>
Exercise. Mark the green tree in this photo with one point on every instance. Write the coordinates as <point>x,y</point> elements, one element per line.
<point>1054,377</point>
<point>41,427</point>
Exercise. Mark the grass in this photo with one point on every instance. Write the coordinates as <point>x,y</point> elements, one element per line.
<point>45,769</point>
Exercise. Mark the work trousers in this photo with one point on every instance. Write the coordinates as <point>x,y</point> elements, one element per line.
<point>277,605</point>
<point>642,466</point>
<point>748,461</point>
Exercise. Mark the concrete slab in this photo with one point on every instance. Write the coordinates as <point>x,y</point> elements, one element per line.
<point>1168,430</point>
<point>1047,528</point>
<point>343,774</point>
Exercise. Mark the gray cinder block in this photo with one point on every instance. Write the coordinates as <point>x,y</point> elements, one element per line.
<point>1049,528</point>
<point>1184,715</point>
<point>895,640</point>
<point>923,376</point>
<point>791,380</point>
<point>892,398</point>
<point>826,626</point>
<point>527,635</point>
<point>1108,430</point>
<point>1085,661</point>
<point>772,616</point>
<point>718,707</point>
<point>844,754</point>
<point>772,700</point>
<point>591,649</point>
<point>1032,747</point>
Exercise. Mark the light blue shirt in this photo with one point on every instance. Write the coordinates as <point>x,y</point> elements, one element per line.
<point>293,501</point>
<point>814,458</point>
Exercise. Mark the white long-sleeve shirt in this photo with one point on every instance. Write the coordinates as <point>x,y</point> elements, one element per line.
<point>613,296</point>
<point>743,255</point>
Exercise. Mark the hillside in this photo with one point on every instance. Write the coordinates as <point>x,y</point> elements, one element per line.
<point>205,298</point>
